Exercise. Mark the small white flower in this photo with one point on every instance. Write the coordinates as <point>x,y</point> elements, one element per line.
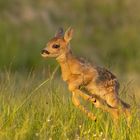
<point>80,126</point>
<point>94,135</point>
<point>101,134</point>
<point>49,120</point>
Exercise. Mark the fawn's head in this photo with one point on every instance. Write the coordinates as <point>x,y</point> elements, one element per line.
<point>59,44</point>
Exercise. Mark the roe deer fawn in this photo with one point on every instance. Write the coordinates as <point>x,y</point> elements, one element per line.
<point>92,83</point>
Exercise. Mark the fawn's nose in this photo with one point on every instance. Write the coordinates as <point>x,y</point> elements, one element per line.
<point>45,52</point>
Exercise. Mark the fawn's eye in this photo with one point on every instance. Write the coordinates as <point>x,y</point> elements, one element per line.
<point>55,46</point>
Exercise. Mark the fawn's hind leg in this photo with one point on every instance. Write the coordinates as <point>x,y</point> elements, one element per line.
<point>119,107</point>
<point>107,104</point>
<point>97,101</point>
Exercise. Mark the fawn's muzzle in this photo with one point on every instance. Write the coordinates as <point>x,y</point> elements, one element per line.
<point>43,52</point>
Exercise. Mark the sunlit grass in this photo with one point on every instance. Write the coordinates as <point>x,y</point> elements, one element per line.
<point>50,115</point>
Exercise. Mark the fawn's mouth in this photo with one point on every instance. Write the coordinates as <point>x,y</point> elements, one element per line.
<point>45,53</point>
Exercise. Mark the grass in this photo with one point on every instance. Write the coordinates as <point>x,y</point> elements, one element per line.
<point>32,110</point>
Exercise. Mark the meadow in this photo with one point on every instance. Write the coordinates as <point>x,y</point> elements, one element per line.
<point>35,103</point>
<point>37,108</point>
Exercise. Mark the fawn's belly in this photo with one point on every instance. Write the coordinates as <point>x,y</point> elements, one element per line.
<point>103,89</point>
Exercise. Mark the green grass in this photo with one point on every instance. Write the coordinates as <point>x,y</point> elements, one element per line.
<point>49,113</point>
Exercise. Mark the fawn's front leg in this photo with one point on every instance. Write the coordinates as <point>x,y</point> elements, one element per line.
<point>81,107</point>
<point>87,97</point>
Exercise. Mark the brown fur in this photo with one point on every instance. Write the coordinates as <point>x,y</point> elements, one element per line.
<point>92,83</point>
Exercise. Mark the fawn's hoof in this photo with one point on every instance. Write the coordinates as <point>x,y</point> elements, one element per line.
<point>95,120</point>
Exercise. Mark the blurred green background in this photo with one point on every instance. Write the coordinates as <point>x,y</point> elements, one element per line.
<point>106,32</point>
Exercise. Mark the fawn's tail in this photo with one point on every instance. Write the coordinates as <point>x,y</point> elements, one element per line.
<point>126,105</point>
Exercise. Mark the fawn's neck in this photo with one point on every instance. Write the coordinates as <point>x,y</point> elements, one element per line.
<point>64,60</point>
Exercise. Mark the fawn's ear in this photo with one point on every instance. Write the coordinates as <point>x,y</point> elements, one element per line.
<point>68,34</point>
<point>59,32</point>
